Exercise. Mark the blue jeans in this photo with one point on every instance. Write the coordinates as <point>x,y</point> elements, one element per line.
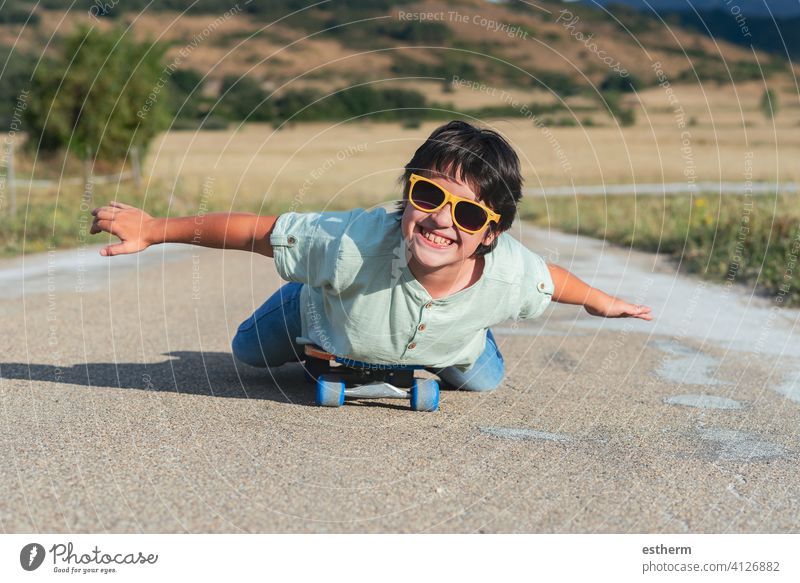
<point>267,338</point>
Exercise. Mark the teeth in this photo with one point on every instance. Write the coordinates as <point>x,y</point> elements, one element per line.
<point>436,239</point>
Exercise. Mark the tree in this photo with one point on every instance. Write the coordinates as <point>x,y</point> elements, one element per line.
<point>185,98</point>
<point>15,74</point>
<point>242,98</point>
<point>769,103</point>
<point>625,115</point>
<point>13,12</point>
<point>616,83</point>
<point>103,94</point>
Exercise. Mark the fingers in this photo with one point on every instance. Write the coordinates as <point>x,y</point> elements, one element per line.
<point>622,309</point>
<point>104,221</point>
<point>104,217</point>
<point>111,250</point>
<point>99,225</point>
<point>105,213</point>
<point>113,206</point>
<point>122,248</point>
<point>642,312</point>
<point>626,310</point>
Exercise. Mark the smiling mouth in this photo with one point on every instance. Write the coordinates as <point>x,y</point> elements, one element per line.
<point>434,240</point>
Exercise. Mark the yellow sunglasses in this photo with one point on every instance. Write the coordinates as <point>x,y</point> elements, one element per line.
<point>469,216</point>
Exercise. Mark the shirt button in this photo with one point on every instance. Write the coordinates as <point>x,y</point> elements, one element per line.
<point>421,327</point>
<point>412,346</point>
<point>541,286</point>
<point>429,305</point>
<point>292,240</point>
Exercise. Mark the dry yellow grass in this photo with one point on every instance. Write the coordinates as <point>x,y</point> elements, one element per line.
<point>357,163</point>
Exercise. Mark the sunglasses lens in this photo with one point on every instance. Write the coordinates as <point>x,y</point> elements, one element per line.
<point>470,215</point>
<point>426,196</point>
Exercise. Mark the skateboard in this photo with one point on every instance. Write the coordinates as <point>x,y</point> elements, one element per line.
<point>338,378</point>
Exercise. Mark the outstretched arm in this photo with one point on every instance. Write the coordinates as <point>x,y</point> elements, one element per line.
<point>568,289</point>
<point>137,230</point>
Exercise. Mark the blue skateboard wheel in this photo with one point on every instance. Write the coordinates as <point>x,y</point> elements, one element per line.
<point>425,395</point>
<point>330,393</point>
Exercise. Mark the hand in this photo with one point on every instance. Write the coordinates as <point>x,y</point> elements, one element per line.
<point>616,308</point>
<point>131,225</point>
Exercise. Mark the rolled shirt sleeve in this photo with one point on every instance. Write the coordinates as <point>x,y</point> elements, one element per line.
<point>536,286</point>
<point>306,246</point>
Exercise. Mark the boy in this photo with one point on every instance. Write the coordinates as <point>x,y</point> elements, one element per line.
<point>422,285</point>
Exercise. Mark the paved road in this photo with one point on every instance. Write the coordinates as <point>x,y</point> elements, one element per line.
<point>122,411</point>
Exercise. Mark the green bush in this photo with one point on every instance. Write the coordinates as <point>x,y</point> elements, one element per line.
<point>294,104</point>
<point>242,98</point>
<point>559,83</point>
<point>14,80</point>
<point>352,102</point>
<point>451,64</point>
<point>625,115</point>
<point>415,32</point>
<point>769,103</point>
<point>185,97</point>
<point>13,12</point>
<point>103,94</point>
<point>412,123</point>
<point>614,82</point>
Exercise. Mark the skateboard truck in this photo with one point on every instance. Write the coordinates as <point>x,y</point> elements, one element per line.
<point>338,378</point>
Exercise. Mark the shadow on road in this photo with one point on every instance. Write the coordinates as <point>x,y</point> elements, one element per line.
<point>213,374</point>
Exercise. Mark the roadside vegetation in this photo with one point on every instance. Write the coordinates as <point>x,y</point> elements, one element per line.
<point>752,240</point>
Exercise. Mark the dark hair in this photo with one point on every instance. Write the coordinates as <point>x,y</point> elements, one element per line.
<point>483,159</point>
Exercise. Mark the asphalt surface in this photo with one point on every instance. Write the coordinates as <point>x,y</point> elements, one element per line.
<point>122,410</point>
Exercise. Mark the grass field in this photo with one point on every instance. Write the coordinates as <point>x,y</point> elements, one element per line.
<point>259,164</point>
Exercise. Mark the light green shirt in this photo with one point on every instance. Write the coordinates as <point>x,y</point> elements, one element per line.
<point>362,302</point>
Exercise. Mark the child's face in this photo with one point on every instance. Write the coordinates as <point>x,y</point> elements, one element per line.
<point>416,224</point>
